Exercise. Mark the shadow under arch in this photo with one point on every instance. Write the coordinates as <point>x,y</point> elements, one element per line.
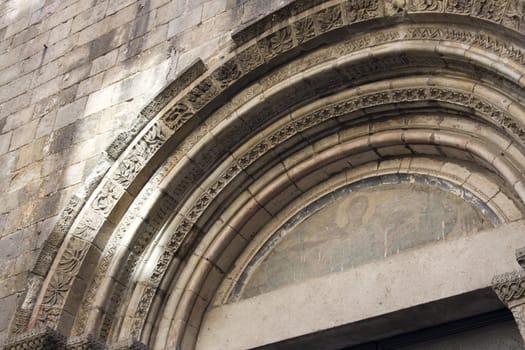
<point>212,131</point>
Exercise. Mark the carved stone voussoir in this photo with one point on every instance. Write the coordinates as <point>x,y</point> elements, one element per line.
<point>106,199</point>
<point>426,5</point>
<point>510,288</point>
<point>40,339</point>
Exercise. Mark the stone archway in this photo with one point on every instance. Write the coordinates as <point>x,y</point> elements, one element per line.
<point>317,92</point>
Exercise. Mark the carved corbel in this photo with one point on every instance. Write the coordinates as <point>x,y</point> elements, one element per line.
<point>510,288</point>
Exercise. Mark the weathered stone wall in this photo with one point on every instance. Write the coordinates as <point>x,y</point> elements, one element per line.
<point>72,75</point>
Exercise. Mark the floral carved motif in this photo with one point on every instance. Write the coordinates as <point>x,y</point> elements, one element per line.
<point>107,197</point>
<point>178,115</point>
<point>140,153</point>
<point>489,9</point>
<point>514,17</point>
<point>61,281</point>
<point>426,5</point>
<point>329,19</point>
<point>276,43</point>
<point>461,7</point>
<point>360,10</point>
<point>304,29</point>
<point>227,73</point>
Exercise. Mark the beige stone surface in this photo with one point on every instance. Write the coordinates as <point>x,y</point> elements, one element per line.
<point>74,74</point>
<point>77,70</point>
<point>415,277</point>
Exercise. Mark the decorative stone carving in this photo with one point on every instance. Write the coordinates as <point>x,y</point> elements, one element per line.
<point>140,153</point>
<point>39,339</point>
<point>276,43</point>
<point>184,79</point>
<point>491,10</point>
<point>124,138</point>
<point>360,10</point>
<point>426,5</point>
<point>178,115</point>
<point>88,227</point>
<point>304,30</point>
<point>395,7</point>
<point>250,58</point>
<point>61,281</point>
<point>520,257</point>
<point>49,339</point>
<point>142,309</point>
<point>329,19</point>
<point>227,73</point>
<point>510,288</point>
<point>107,198</point>
<point>514,17</point>
<point>461,7</point>
<point>273,44</point>
<point>200,95</point>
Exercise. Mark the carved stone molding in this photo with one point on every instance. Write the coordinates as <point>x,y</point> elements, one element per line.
<point>50,339</point>
<point>279,33</point>
<point>510,288</point>
<point>39,339</point>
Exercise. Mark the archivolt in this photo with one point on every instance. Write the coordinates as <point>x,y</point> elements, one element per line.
<point>220,153</point>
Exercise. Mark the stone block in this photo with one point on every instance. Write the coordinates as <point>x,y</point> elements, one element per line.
<point>45,124</point>
<point>14,105</point>
<point>168,12</point>
<point>104,62</point>
<point>70,113</point>
<point>90,85</point>
<point>72,175</point>
<point>5,140</point>
<point>16,87</point>
<point>25,176</point>
<point>182,23</point>
<point>24,134</point>
<point>16,120</point>
<point>89,17</point>
<point>213,8</point>
<point>60,32</point>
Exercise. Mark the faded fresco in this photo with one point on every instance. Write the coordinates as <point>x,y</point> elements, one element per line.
<point>360,227</point>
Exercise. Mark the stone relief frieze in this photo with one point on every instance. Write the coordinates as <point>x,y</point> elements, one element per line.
<point>491,10</point>
<point>140,153</point>
<point>276,43</point>
<point>107,198</point>
<point>329,19</point>
<point>61,281</point>
<point>360,10</point>
<point>514,16</point>
<point>427,5</point>
<point>304,30</point>
<point>178,115</point>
